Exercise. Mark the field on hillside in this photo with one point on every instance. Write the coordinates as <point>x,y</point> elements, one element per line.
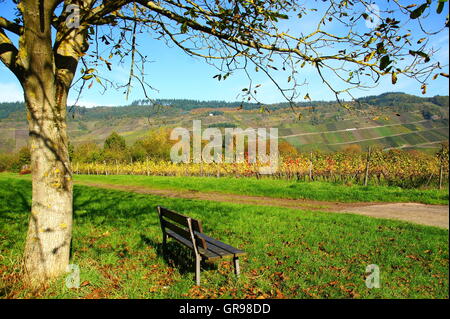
<point>410,132</point>
<point>117,245</point>
<point>391,120</point>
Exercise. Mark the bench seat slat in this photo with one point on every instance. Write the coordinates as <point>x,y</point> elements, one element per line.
<point>180,219</point>
<point>230,249</point>
<point>205,253</point>
<point>182,232</point>
<point>208,247</point>
<point>174,216</point>
<point>219,251</point>
<point>213,252</point>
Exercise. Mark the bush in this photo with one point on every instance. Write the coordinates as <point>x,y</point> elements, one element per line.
<point>156,145</point>
<point>6,161</point>
<point>86,153</point>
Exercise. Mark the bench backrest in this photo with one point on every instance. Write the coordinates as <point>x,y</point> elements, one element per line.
<point>183,226</point>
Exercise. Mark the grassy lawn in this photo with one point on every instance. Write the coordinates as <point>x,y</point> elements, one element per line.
<point>322,191</point>
<point>291,253</point>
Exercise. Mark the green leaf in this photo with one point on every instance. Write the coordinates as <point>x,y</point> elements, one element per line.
<point>418,12</point>
<point>440,6</point>
<point>183,28</point>
<point>380,48</point>
<point>420,53</point>
<point>384,62</point>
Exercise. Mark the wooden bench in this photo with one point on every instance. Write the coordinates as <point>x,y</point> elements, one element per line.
<point>189,232</point>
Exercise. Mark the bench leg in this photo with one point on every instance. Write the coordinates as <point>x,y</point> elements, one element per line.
<point>237,270</point>
<point>198,259</point>
<point>164,243</point>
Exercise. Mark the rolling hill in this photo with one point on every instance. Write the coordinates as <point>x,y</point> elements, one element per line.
<point>390,120</point>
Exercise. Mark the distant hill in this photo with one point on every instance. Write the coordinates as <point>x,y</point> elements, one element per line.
<point>397,101</point>
<point>389,120</point>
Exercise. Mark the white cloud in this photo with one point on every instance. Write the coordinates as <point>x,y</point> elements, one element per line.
<point>87,104</point>
<point>10,92</point>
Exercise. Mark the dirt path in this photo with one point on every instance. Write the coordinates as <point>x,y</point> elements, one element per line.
<point>432,215</point>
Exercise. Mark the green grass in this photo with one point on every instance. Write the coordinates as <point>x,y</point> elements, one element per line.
<point>291,253</point>
<point>322,191</point>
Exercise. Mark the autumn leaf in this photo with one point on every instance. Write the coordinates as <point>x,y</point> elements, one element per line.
<point>424,88</point>
<point>369,56</point>
<point>394,77</point>
<point>87,77</point>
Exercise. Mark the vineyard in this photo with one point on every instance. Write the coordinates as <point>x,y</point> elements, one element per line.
<point>394,168</point>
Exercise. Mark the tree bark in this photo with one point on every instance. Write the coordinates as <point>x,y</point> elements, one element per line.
<point>48,240</point>
<point>47,247</point>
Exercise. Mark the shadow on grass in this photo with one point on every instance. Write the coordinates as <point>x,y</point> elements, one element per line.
<point>100,206</point>
<point>113,207</point>
<point>177,256</point>
<point>91,203</point>
<point>14,198</point>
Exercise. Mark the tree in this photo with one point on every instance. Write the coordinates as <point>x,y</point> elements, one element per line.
<point>115,142</point>
<point>286,149</point>
<point>48,39</point>
<point>115,149</point>
<point>86,152</point>
<point>156,144</point>
<point>23,158</point>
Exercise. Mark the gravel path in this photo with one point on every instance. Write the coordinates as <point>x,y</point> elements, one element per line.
<point>432,215</point>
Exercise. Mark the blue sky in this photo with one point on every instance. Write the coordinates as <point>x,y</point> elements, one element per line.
<point>176,75</point>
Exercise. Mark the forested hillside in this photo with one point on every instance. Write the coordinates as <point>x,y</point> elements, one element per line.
<point>390,120</point>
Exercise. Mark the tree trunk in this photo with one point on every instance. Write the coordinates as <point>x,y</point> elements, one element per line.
<point>48,240</point>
